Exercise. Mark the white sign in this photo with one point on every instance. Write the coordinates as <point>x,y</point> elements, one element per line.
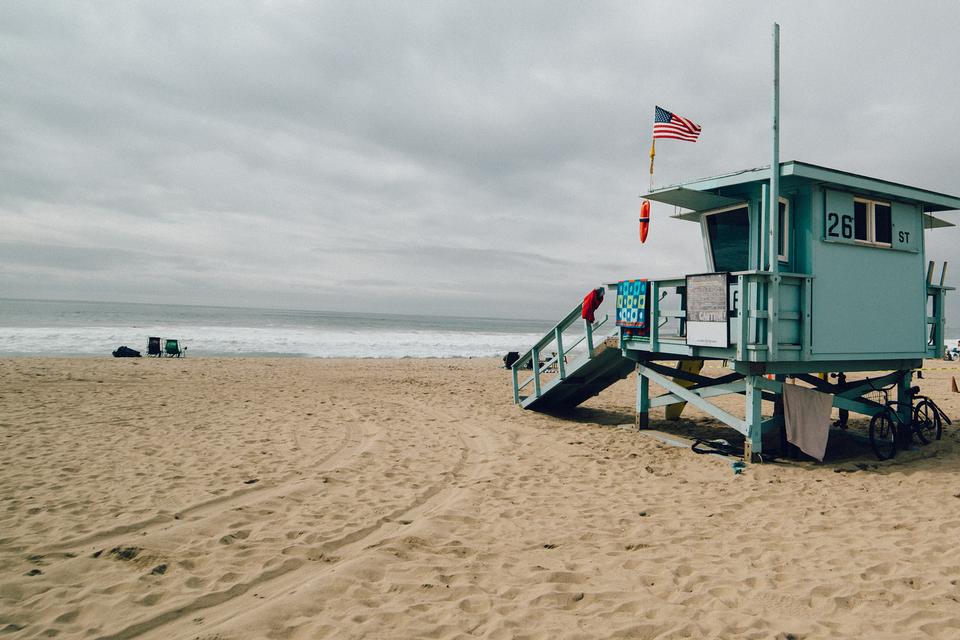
<point>708,318</point>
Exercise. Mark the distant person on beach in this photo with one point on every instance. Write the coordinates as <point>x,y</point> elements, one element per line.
<point>590,304</point>
<point>952,353</point>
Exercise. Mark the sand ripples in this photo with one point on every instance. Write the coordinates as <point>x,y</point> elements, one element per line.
<point>357,499</point>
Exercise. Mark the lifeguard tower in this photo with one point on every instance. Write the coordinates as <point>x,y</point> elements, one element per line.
<point>810,270</point>
<point>836,281</point>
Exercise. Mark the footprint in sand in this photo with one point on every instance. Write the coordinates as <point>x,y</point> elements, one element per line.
<point>67,617</point>
<point>230,538</point>
<point>151,599</point>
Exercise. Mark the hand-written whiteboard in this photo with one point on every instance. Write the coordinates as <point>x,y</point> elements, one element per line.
<point>708,318</point>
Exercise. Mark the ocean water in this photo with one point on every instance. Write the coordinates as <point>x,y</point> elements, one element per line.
<point>57,328</point>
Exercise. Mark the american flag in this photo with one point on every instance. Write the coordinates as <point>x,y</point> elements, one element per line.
<point>670,125</point>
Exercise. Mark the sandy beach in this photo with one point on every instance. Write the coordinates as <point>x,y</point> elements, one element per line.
<point>306,498</point>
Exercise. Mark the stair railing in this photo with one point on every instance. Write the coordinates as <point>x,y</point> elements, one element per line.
<point>531,358</point>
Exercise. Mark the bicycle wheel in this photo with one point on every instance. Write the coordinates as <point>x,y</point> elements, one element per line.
<point>883,435</point>
<point>926,421</point>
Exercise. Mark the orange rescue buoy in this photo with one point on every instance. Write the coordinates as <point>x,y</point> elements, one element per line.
<point>644,220</point>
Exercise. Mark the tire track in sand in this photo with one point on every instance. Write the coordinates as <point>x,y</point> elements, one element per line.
<point>352,443</point>
<point>299,572</point>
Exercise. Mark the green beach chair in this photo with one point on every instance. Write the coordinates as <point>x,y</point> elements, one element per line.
<point>172,348</point>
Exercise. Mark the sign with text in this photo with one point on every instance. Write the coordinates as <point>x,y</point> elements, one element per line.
<point>708,316</point>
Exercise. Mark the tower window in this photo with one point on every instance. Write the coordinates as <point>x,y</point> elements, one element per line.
<point>872,221</point>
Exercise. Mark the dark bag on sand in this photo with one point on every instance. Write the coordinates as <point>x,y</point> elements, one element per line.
<point>126,352</point>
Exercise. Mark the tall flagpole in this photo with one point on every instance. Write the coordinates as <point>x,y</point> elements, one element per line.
<point>773,208</point>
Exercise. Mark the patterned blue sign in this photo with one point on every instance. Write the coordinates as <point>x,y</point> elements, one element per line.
<point>632,311</point>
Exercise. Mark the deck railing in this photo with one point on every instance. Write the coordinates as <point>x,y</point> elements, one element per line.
<point>559,345</point>
<point>935,329</point>
<point>754,328</point>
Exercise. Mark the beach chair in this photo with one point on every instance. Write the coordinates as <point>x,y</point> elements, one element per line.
<point>153,347</point>
<point>172,348</point>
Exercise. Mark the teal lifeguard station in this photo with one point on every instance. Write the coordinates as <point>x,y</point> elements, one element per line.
<point>836,281</point>
<point>811,270</point>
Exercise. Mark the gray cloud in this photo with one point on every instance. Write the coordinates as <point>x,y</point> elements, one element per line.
<point>465,158</point>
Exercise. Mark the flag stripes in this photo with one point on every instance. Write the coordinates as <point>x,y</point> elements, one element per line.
<point>670,125</point>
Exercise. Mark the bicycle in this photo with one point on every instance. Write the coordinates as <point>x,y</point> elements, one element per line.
<point>890,431</point>
<point>928,419</point>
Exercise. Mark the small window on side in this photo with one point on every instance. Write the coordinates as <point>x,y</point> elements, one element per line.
<point>783,232</point>
<point>884,231</point>
<point>860,221</point>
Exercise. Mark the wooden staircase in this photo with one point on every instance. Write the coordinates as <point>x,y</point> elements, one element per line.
<point>570,374</point>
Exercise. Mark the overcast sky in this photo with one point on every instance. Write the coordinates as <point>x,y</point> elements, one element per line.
<point>463,158</point>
